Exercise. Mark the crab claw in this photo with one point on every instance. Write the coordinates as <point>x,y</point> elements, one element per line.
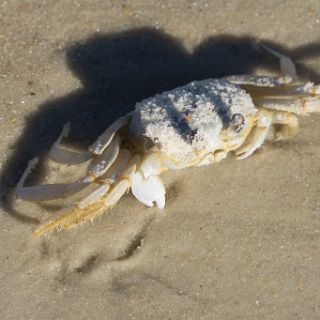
<point>148,190</point>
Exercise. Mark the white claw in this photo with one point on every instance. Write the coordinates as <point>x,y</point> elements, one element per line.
<point>161,201</point>
<point>148,190</point>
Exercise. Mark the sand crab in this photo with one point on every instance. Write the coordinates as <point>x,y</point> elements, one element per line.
<point>193,125</point>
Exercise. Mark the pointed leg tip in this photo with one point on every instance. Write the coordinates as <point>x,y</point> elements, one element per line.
<point>39,232</point>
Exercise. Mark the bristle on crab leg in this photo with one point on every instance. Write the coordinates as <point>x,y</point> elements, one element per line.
<point>64,156</point>
<point>105,139</point>
<point>91,206</point>
<point>75,214</point>
<point>63,217</point>
<point>98,207</point>
<point>107,201</point>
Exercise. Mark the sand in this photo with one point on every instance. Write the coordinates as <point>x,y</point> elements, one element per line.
<point>239,240</point>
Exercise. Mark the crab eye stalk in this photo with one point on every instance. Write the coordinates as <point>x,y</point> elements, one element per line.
<point>237,122</point>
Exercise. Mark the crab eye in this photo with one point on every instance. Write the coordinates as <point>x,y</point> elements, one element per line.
<point>237,122</point>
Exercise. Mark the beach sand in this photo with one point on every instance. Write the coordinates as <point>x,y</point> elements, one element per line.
<point>237,240</point>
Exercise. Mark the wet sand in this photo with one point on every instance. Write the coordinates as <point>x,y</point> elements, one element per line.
<point>238,240</point>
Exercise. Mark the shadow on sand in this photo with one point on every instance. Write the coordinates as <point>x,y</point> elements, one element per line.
<point>117,70</point>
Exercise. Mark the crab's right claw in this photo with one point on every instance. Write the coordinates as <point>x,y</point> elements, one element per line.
<point>148,190</point>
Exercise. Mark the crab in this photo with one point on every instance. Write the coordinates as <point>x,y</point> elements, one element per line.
<point>197,124</point>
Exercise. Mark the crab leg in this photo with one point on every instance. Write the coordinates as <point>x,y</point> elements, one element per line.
<point>258,135</point>
<point>64,156</point>
<point>103,162</point>
<point>50,191</point>
<point>53,191</point>
<point>46,192</point>
<point>100,200</point>
<point>289,124</point>
<point>89,207</point>
<point>93,196</point>
<point>105,139</point>
<point>287,67</point>
<point>300,106</point>
<point>67,216</point>
<point>106,202</point>
<point>117,167</point>
<point>258,81</point>
<point>267,118</point>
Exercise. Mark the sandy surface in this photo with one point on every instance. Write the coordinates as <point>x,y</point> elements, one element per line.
<point>239,240</point>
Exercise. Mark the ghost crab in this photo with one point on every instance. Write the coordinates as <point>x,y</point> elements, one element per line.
<point>193,125</point>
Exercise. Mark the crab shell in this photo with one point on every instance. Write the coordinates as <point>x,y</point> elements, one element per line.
<point>191,122</point>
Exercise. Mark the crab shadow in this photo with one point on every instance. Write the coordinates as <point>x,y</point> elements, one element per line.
<point>117,70</point>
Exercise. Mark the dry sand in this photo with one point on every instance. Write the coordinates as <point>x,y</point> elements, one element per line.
<point>239,240</point>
